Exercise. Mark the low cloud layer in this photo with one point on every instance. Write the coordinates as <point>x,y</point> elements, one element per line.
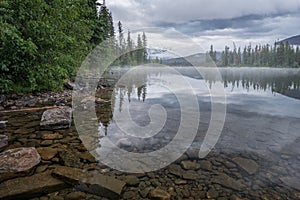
<point>218,22</point>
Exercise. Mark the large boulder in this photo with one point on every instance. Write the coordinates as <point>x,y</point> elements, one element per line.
<point>58,118</point>
<point>3,141</point>
<point>19,160</point>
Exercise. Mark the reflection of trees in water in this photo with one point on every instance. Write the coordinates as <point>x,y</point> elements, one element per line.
<point>126,87</point>
<point>121,89</point>
<point>281,81</point>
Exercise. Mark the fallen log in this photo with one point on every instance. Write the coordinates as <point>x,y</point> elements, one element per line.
<point>29,109</point>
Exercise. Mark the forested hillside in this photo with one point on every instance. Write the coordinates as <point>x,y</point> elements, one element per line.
<point>44,41</point>
<point>280,55</point>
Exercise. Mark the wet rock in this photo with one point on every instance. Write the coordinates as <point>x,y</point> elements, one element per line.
<point>69,85</point>
<point>3,124</point>
<point>292,182</point>
<point>250,166</point>
<point>176,170</point>
<point>58,118</point>
<point>131,180</point>
<point>186,193</point>
<point>129,195</point>
<point>144,192</point>
<point>28,187</point>
<point>190,175</point>
<point>75,196</point>
<point>180,182</point>
<point>227,181</point>
<point>52,136</point>
<point>69,159</point>
<point>124,142</point>
<point>2,98</point>
<point>212,194</point>
<point>23,131</point>
<point>189,165</point>
<point>205,165</point>
<point>86,157</point>
<point>159,194</point>
<point>19,159</point>
<point>47,153</point>
<point>46,143</point>
<point>3,141</point>
<point>91,182</point>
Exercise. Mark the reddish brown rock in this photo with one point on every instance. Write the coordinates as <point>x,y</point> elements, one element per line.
<point>18,160</point>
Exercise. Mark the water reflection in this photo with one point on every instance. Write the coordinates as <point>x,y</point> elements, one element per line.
<point>252,94</point>
<point>140,85</point>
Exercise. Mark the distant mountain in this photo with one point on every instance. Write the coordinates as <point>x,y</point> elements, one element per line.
<point>186,61</point>
<point>195,59</point>
<point>162,54</point>
<point>295,40</point>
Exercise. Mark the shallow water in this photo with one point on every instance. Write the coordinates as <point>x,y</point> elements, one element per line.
<point>262,120</point>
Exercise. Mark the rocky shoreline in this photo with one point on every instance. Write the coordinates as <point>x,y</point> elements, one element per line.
<point>66,170</point>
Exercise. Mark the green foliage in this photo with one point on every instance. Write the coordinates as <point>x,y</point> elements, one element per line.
<point>281,55</point>
<point>44,41</point>
<point>131,54</point>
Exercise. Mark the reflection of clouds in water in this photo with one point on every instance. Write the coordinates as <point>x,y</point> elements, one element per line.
<point>255,110</point>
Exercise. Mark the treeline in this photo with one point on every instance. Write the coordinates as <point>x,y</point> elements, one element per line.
<point>132,53</point>
<point>43,42</point>
<point>279,55</point>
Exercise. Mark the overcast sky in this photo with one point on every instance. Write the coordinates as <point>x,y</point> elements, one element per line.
<point>217,22</point>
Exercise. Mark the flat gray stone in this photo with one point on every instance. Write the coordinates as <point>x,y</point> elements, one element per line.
<point>58,118</point>
<point>292,182</point>
<point>228,182</point>
<point>250,166</point>
<point>32,186</point>
<point>91,182</point>
<point>19,160</point>
<point>3,141</point>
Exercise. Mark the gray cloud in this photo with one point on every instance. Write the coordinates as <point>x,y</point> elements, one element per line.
<point>214,21</point>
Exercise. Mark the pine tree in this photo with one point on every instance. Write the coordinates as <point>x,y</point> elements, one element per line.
<point>139,52</point>
<point>145,53</point>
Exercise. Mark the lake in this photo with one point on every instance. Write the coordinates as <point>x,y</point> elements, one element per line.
<point>260,132</point>
<point>182,133</point>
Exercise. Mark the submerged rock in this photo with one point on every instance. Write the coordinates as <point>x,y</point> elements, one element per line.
<point>158,194</point>
<point>250,166</point>
<point>69,159</point>
<point>189,165</point>
<point>228,182</point>
<point>3,141</point>
<point>292,182</point>
<point>58,118</point>
<point>47,153</point>
<point>90,182</point>
<point>19,159</point>
<point>32,186</point>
